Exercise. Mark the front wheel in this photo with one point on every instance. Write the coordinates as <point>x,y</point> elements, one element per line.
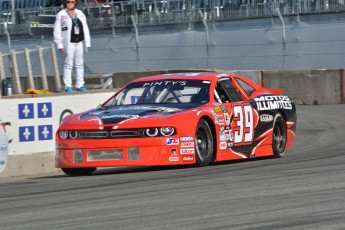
<point>78,171</point>
<point>204,143</point>
<point>279,136</point>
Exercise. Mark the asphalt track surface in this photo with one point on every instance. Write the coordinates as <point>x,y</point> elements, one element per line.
<point>303,190</point>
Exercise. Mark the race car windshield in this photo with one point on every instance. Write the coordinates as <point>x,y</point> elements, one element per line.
<point>163,92</point>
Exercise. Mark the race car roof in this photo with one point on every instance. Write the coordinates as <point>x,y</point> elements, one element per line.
<point>184,76</point>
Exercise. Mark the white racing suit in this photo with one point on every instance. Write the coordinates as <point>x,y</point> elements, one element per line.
<point>72,51</point>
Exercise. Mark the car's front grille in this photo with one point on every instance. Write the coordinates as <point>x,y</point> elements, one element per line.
<point>93,134</point>
<point>127,133</point>
<point>109,134</point>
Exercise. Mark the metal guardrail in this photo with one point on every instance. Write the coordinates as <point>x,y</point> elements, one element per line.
<point>13,73</point>
<point>154,12</point>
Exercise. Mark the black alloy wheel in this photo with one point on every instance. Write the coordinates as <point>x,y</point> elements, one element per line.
<point>279,136</point>
<point>204,143</point>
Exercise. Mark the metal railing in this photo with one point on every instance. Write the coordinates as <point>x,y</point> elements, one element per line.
<point>154,12</point>
<point>11,71</point>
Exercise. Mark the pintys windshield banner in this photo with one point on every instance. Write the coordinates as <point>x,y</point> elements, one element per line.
<point>42,25</point>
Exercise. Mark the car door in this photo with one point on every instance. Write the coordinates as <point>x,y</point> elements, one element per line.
<point>240,118</point>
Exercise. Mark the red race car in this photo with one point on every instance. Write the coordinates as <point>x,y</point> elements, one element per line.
<point>174,119</point>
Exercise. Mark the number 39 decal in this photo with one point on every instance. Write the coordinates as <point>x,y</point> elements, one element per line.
<point>243,124</point>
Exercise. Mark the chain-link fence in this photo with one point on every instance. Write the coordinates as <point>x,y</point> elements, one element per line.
<point>159,12</point>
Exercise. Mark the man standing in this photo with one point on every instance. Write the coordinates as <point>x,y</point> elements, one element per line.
<point>72,35</point>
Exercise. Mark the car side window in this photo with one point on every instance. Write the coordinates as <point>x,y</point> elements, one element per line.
<point>227,91</point>
<point>247,88</point>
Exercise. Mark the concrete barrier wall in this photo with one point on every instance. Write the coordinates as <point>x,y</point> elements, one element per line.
<point>307,87</point>
<point>39,115</point>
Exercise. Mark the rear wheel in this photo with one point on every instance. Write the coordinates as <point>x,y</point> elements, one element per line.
<point>204,144</point>
<point>78,171</point>
<point>279,136</point>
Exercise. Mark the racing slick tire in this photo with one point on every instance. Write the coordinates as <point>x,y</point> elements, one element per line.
<point>279,136</point>
<point>78,171</point>
<point>204,144</point>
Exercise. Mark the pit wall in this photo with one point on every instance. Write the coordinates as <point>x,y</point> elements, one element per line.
<point>34,119</point>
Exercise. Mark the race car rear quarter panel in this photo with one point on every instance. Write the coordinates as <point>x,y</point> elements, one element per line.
<point>268,105</point>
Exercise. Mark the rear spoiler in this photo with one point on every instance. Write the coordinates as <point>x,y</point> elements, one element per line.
<point>276,91</point>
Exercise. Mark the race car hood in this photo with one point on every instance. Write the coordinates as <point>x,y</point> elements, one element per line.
<point>117,114</point>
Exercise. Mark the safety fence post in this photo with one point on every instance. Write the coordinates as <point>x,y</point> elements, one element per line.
<point>29,68</point>
<point>43,68</point>
<point>136,32</point>
<point>56,68</point>
<point>16,84</point>
<point>2,68</point>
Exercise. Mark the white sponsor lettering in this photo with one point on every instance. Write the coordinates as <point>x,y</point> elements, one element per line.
<point>172,141</point>
<point>273,102</point>
<point>173,159</point>
<point>187,145</point>
<point>187,138</point>
<point>120,116</point>
<point>266,118</point>
<point>187,151</point>
<point>164,83</point>
<point>222,145</point>
<point>189,158</point>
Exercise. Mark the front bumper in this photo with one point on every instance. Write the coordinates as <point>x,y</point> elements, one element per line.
<point>123,152</point>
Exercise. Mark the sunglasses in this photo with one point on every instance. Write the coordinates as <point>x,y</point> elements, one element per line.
<point>70,2</point>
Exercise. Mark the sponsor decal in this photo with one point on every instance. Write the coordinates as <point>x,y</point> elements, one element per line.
<point>123,116</point>
<point>217,109</point>
<point>154,83</point>
<point>230,144</point>
<point>227,118</point>
<point>220,116</point>
<point>266,118</point>
<point>188,158</point>
<point>42,25</point>
<point>215,118</point>
<point>173,159</point>
<point>173,156</point>
<point>224,137</point>
<point>187,151</point>
<point>172,141</point>
<point>182,139</point>
<point>187,144</point>
<point>222,145</point>
<point>224,109</point>
<point>273,102</point>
